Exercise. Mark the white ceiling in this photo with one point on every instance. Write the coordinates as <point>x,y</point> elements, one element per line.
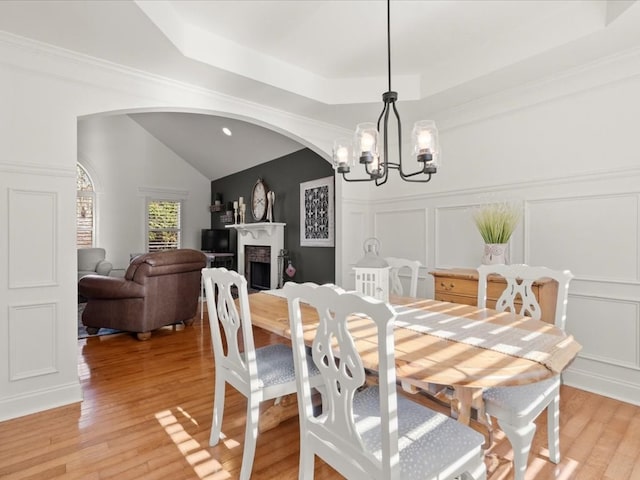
<point>327,59</point>
<point>199,139</point>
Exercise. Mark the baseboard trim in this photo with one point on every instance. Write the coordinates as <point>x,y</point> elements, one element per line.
<point>40,400</point>
<point>605,386</point>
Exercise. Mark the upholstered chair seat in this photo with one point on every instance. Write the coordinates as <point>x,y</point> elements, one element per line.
<point>275,365</point>
<point>429,443</point>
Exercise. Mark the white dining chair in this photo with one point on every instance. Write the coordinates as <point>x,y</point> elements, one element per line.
<point>397,264</point>
<point>258,373</point>
<point>517,407</point>
<point>368,431</point>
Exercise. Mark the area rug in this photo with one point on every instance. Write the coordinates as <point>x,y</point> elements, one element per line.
<point>82,331</point>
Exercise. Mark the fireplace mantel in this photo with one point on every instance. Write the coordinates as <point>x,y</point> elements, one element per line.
<point>256,230</point>
<point>260,233</point>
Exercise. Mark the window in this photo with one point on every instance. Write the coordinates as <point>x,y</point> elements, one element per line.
<point>85,208</point>
<point>163,225</point>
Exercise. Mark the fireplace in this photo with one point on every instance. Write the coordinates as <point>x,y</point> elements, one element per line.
<point>257,268</point>
<point>262,241</point>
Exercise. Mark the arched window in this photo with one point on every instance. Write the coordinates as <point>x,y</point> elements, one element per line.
<point>85,208</point>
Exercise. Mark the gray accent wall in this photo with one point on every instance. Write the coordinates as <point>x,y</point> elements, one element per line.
<point>283,176</point>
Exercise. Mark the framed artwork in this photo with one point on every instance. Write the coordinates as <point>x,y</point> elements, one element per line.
<point>317,213</point>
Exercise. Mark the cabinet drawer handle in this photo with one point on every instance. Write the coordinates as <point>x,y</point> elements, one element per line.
<point>447,287</point>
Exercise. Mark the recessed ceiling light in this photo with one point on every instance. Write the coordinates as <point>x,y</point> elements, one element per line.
<point>226,131</point>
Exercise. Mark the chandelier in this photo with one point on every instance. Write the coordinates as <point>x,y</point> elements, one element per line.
<point>365,144</point>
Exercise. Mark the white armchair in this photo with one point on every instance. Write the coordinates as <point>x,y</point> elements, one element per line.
<point>91,261</point>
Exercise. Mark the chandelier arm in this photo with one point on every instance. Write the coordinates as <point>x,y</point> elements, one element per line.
<point>382,113</point>
<point>382,162</point>
<point>407,178</point>
<point>344,176</point>
<point>381,181</point>
<point>395,112</point>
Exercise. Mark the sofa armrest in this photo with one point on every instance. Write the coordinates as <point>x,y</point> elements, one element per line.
<point>98,286</point>
<point>104,267</point>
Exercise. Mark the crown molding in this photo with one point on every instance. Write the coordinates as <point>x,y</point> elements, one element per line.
<point>607,70</point>
<point>19,52</point>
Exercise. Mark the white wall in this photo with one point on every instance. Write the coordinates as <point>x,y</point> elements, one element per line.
<point>127,164</point>
<point>567,149</point>
<point>44,92</point>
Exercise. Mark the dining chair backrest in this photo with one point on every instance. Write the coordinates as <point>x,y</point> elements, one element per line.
<point>260,374</point>
<point>334,352</point>
<point>520,279</point>
<point>397,264</point>
<point>229,325</point>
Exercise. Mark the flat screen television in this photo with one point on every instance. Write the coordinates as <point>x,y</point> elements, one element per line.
<point>215,240</point>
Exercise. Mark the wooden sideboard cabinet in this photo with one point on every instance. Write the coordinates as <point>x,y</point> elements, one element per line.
<point>460,285</point>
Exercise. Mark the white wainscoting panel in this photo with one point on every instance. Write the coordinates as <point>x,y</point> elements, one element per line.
<point>402,233</point>
<point>458,242</point>
<point>32,224</point>
<point>355,231</point>
<point>32,340</point>
<point>594,237</point>
<point>615,339</point>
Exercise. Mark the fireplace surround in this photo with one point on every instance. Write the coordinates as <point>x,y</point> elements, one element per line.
<point>260,235</point>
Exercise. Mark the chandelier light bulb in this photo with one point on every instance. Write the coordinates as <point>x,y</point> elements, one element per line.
<point>367,142</point>
<point>425,144</point>
<point>342,155</point>
<point>424,141</point>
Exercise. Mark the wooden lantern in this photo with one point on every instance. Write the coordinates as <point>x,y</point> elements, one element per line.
<point>372,272</point>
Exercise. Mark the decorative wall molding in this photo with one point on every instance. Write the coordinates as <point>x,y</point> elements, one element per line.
<point>37,169</point>
<point>32,340</point>
<point>33,242</point>
<point>401,224</point>
<point>625,333</point>
<point>604,300</point>
<point>564,219</point>
<point>529,185</point>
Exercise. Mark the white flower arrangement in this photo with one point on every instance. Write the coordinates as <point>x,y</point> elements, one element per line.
<point>497,221</point>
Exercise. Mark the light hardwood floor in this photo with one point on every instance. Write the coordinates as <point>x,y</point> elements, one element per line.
<point>146,414</point>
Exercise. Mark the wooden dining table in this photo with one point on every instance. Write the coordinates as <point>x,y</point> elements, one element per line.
<point>427,352</point>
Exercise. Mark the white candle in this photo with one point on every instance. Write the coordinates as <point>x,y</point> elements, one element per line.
<point>235,204</point>
<point>241,200</point>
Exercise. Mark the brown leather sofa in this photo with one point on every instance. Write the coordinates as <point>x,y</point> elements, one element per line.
<point>158,289</point>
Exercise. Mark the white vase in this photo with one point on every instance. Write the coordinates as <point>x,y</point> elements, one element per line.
<point>495,253</point>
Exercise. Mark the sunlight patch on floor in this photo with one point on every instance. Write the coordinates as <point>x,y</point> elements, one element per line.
<point>204,465</point>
